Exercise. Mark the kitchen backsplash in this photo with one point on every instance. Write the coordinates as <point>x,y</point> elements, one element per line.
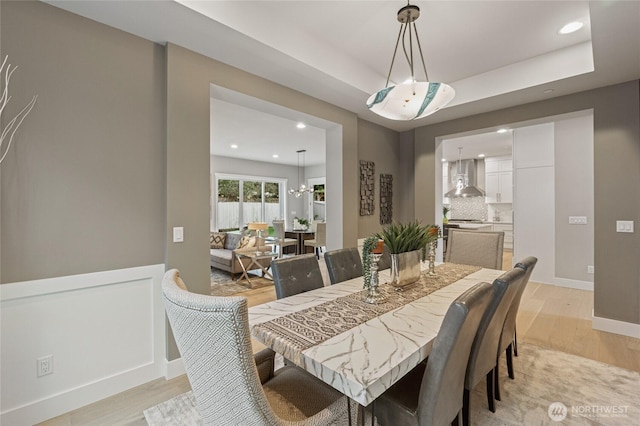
<point>468,208</point>
<point>475,208</point>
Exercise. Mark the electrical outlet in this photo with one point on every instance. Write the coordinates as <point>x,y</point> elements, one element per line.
<point>44,365</point>
<point>590,270</point>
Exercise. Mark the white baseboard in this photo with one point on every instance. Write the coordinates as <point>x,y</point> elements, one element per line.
<point>615,326</point>
<point>174,369</point>
<point>106,331</point>
<point>568,283</point>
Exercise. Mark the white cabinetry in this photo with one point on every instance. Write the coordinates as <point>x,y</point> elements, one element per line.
<point>445,183</point>
<point>498,180</point>
<point>508,234</point>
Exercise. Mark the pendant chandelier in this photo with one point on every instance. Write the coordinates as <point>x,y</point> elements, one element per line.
<point>412,99</point>
<point>302,188</point>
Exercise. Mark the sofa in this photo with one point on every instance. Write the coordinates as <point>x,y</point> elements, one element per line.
<point>225,245</point>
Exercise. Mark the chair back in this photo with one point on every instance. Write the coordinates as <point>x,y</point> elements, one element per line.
<point>385,259</point>
<point>294,275</point>
<point>212,334</point>
<point>475,248</point>
<point>485,345</point>
<point>278,229</point>
<point>321,234</point>
<point>440,398</point>
<point>509,329</point>
<point>343,264</point>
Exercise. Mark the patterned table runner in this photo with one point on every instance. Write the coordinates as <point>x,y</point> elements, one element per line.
<point>309,327</point>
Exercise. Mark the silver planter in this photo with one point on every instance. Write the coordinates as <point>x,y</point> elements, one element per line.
<point>405,268</point>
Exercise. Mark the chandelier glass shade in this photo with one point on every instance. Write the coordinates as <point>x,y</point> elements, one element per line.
<point>413,99</point>
<point>302,188</point>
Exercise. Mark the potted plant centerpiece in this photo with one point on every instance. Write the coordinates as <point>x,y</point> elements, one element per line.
<point>406,243</point>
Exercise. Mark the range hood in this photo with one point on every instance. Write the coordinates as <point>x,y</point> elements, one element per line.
<point>463,176</point>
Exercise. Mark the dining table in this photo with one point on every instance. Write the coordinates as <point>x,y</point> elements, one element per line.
<point>362,349</point>
<point>300,235</point>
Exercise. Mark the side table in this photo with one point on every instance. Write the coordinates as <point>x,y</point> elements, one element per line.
<point>255,257</point>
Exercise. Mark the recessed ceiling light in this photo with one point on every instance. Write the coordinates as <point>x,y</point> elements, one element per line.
<point>444,160</point>
<point>234,146</point>
<point>481,155</point>
<point>275,155</point>
<point>571,27</point>
<point>503,130</point>
<point>301,125</point>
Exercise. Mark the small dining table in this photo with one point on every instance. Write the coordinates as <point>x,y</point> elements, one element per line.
<point>300,235</point>
<point>358,348</point>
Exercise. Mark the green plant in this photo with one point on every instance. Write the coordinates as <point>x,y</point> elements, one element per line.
<point>302,221</point>
<point>445,211</point>
<point>367,247</point>
<point>404,237</point>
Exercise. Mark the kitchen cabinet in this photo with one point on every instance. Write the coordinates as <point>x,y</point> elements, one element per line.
<point>499,180</point>
<point>507,228</point>
<point>445,183</point>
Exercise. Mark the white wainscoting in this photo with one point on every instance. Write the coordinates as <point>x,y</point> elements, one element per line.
<point>105,330</point>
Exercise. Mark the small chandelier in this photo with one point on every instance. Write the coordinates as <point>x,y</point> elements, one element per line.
<point>412,99</point>
<point>302,188</point>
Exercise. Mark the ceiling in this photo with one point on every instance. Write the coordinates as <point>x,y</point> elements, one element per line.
<point>495,54</point>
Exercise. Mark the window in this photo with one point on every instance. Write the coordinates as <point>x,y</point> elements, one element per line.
<point>244,199</point>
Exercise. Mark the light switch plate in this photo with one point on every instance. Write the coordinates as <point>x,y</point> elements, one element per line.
<point>178,234</point>
<point>624,226</point>
<point>577,220</point>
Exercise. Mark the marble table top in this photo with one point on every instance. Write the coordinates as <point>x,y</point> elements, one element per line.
<point>368,359</point>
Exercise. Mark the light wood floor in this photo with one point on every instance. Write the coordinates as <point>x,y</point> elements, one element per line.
<point>553,317</point>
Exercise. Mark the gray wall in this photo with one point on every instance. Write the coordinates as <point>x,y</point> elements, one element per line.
<point>383,146</point>
<point>574,196</point>
<point>616,163</point>
<point>83,185</point>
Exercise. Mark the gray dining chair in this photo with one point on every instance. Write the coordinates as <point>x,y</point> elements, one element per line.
<point>319,239</point>
<point>385,260</point>
<point>281,241</point>
<point>294,275</point>
<point>343,264</point>
<point>476,248</point>
<point>482,361</point>
<point>229,385</point>
<point>508,336</point>
<point>431,394</point>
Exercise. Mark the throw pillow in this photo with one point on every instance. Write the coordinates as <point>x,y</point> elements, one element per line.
<point>232,240</point>
<point>217,240</point>
<point>247,242</point>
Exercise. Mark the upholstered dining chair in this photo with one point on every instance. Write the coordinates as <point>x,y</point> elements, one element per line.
<point>297,274</point>
<point>508,336</point>
<point>385,260</point>
<point>431,394</point>
<point>475,248</point>
<point>482,360</point>
<point>343,264</point>
<point>320,238</point>
<point>281,240</point>
<point>230,388</point>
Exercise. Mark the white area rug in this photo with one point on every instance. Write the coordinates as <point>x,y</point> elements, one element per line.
<point>582,391</point>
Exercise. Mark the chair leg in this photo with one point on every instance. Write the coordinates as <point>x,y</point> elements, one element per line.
<point>515,342</point>
<point>490,400</point>
<point>466,400</point>
<point>496,382</point>
<point>510,362</point>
